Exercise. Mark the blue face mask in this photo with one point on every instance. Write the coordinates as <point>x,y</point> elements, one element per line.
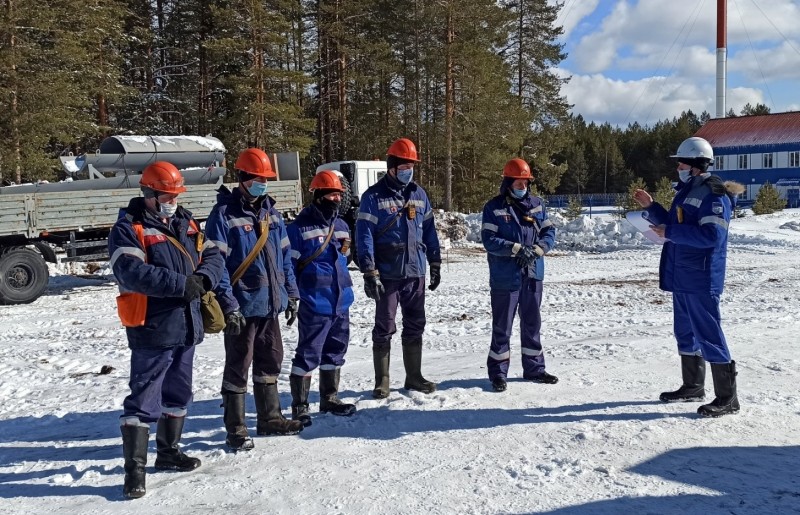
<point>518,194</point>
<point>258,189</point>
<point>405,176</point>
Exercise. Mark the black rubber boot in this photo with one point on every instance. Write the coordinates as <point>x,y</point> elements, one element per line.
<point>380,358</point>
<point>134,450</point>
<point>412,361</point>
<point>328,391</point>
<point>499,384</point>
<point>234,417</point>
<point>693,370</point>
<point>270,419</point>
<point>541,378</point>
<point>300,387</point>
<point>727,401</point>
<point>168,436</point>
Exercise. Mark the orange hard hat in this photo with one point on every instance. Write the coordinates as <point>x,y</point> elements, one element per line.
<point>403,148</point>
<point>517,169</point>
<point>162,177</point>
<point>255,162</point>
<point>326,180</point>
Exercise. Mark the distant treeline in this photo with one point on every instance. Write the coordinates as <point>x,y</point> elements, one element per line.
<point>470,81</point>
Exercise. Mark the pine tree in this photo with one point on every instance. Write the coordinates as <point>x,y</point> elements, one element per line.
<point>768,200</point>
<point>664,193</point>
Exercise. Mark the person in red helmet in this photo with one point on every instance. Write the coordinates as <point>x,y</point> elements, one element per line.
<point>320,245</point>
<point>396,242</point>
<point>516,234</point>
<point>257,285</point>
<point>163,266</point>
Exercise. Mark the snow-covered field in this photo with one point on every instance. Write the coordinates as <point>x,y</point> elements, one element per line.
<point>597,442</point>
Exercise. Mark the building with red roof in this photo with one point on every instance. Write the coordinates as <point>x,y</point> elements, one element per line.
<point>753,150</point>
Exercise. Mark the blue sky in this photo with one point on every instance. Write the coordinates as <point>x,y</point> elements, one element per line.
<point>647,60</point>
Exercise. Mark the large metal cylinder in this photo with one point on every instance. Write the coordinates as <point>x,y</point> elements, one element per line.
<point>131,154</point>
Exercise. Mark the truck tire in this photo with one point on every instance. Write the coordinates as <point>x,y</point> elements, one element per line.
<point>23,276</point>
<point>347,196</point>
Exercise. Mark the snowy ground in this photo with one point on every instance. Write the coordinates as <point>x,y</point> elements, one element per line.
<point>597,442</point>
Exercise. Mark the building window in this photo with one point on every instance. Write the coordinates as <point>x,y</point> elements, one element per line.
<point>766,161</point>
<point>743,162</point>
<point>719,163</point>
<point>794,159</point>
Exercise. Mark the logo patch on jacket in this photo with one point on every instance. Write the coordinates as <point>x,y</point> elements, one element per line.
<point>247,228</point>
<point>717,208</point>
<point>150,239</point>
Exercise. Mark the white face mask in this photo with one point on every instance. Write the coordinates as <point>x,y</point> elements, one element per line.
<point>685,175</point>
<point>167,210</point>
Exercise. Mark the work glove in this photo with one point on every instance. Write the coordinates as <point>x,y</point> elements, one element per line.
<point>234,323</point>
<point>373,286</point>
<point>291,312</point>
<point>193,289</point>
<point>526,256</point>
<point>436,276</point>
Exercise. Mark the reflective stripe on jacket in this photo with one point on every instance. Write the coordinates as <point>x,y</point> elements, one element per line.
<point>400,252</point>
<point>324,283</point>
<point>268,282</point>
<point>505,230</point>
<point>169,320</point>
<point>694,257</point>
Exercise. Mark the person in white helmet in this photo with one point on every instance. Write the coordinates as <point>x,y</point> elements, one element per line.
<point>693,268</point>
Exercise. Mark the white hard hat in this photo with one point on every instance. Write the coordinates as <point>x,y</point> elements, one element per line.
<point>695,148</point>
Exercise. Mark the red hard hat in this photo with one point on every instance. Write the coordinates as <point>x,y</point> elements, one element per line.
<point>162,177</point>
<point>517,169</point>
<point>255,162</point>
<point>403,148</point>
<point>326,180</point>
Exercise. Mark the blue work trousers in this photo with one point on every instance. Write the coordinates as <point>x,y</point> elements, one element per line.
<point>697,327</point>
<point>505,305</point>
<point>161,383</point>
<point>322,341</point>
<point>410,295</point>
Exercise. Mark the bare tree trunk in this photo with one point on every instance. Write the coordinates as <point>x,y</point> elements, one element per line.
<point>16,144</point>
<point>519,50</point>
<point>449,111</point>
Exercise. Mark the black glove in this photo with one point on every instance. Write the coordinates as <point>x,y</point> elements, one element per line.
<point>291,312</point>
<point>234,323</point>
<point>373,286</point>
<point>436,276</point>
<point>193,289</point>
<point>526,256</point>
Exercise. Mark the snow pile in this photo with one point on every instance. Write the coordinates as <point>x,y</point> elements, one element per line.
<point>793,225</point>
<point>596,234</point>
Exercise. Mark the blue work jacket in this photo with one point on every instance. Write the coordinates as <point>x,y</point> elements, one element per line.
<point>324,283</point>
<point>693,259</point>
<point>268,283</point>
<point>169,321</point>
<point>508,225</point>
<point>396,246</point>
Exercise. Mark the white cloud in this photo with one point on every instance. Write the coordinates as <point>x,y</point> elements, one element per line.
<point>648,29</point>
<point>573,12</point>
<point>782,62</point>
<point>601,99</point>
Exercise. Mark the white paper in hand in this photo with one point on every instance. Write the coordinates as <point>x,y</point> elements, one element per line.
<point>641,224</point>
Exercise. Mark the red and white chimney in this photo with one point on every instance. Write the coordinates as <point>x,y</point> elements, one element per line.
<point>722,55</point>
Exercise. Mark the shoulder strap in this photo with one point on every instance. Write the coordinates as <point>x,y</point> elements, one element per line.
<point>262,240</point>
<point>392,221</point>
<point>183,250</point>
<point>304,263</point>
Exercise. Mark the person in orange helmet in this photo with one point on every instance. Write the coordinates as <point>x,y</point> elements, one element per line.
<point>516,234</point>
<point>396,242</point>
<point>257,285</point>
<point>163,266</point>
<point>320,246</point>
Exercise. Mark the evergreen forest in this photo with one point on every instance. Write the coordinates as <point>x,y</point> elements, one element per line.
<point>472,82</point>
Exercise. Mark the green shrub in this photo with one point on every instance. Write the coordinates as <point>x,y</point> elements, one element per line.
<point>574,208</point>
<point>768,200</point>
